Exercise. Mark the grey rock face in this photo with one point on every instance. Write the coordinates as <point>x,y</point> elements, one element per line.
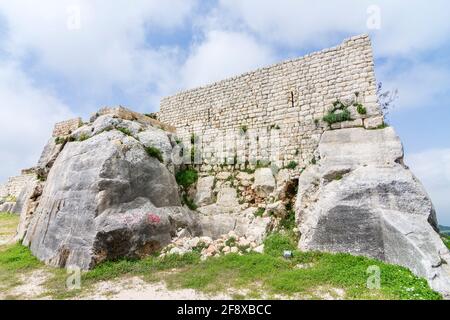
<point>48,157</point>
<point>218,225</point>
<point>103,198</point>
<point>204,194</point>
<point>264,182</point>
<point>361,199</point>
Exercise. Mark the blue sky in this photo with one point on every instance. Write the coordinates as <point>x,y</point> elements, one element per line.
<point>64,58</point>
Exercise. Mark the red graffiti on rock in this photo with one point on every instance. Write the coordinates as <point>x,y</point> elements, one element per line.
<point>153,218</point>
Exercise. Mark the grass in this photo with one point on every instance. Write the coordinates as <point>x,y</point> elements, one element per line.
<point>259,212</point>
<point>15,260</point>
<point>125,131</point>
<point>446,239</point>
<point>155,153</point>
<point>186,177</point>
<point>264,275</point>
<point>268,273</point>
<point>83,137</point>
<point>276,275</point>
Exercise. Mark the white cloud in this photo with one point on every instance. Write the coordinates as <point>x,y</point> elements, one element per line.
<point>405,26</point>
<point>224,54</point>
<point>420,84</point>
<point>107,52</point>
<point>27,116</point>
<point>432,167</point>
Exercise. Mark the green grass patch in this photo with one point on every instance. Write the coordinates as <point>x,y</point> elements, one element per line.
<point>125,131</point>
<point>17,258</point>
<point>14,261</point>
<point>268,273</point>
<point>276,243</point>
<point>155,153</point>
<point>446,240</point>
<point>6,217</point>
<point>187,177</point>
<point>83,137</point>
<point>275,275</point>
<point>259,212</point>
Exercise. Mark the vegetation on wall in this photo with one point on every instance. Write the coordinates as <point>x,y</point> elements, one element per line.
<point>360,108</point>
<point>338,113</point>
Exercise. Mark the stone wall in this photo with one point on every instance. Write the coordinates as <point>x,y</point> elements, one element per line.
<point>290,98</point>
<point>65,128</point>
<point>15,185</point>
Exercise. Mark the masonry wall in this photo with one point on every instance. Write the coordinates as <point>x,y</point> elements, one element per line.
<point>65,128</point>
<point>15,185</point>
<point>291,97</point>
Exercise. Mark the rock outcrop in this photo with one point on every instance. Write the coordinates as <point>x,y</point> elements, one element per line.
<point>104,196</point>
<point>360,198</point>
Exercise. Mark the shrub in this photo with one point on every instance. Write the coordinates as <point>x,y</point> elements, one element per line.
<point>361,109</point>
<point>151,115</point>
<point>200,246</point>
<point>292,165</point>
<point>189,202</point>
<point>230,242</point>
<point>332,117</point>
<point>155,153</point>
<point>60,140</point>
<point>288,221</point>
<point>244,128</point>
<point>187,177</point>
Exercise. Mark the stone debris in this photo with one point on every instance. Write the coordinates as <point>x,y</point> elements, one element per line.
<point>207,247</point>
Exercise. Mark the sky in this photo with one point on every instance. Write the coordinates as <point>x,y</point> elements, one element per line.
<point>60,59</point>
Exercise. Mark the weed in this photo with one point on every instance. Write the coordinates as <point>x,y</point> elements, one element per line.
<point>187,177</point>
<point>155,153</point>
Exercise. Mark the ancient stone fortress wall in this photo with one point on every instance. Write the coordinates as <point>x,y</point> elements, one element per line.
<point>15,185</point>
<point>65,128</point>
<point>288,98</point>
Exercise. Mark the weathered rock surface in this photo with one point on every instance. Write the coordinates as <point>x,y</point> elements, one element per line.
<point>361,199</point>
<point>264,182</point>
<point>215,226</point>
<point>104,198</point>
<point>204,191</point>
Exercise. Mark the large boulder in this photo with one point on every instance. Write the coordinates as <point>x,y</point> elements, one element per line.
<point>104,198</point>
<point>360,198</point>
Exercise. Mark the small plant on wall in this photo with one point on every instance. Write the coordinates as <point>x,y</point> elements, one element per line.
<point>338,113</point>
<point>360,108</point>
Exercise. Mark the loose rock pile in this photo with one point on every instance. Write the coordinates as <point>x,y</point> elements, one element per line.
<point>207,247</point>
